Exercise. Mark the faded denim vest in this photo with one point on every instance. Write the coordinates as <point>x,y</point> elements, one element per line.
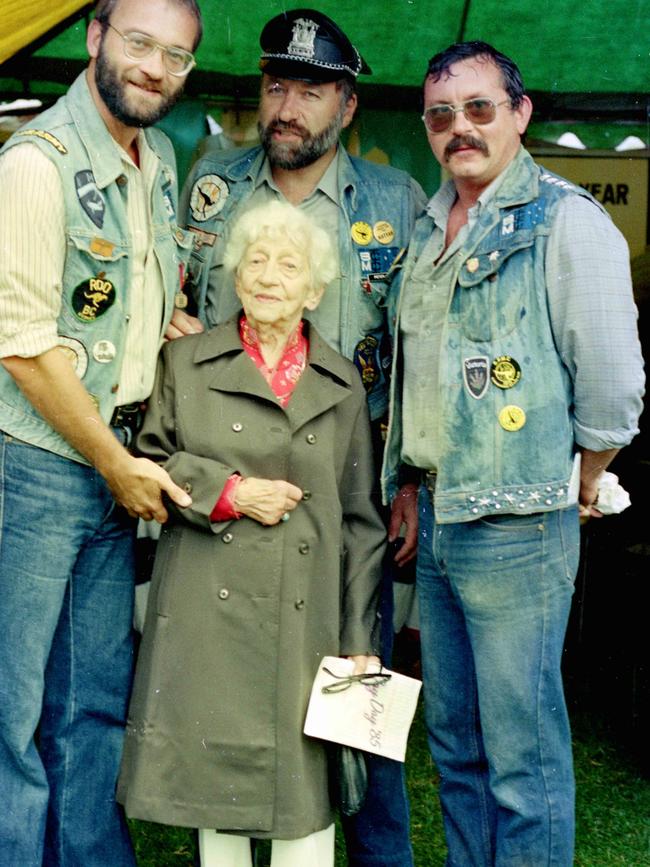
<point>502,449</point>
<point>380,205</point>
<point>96,277</point>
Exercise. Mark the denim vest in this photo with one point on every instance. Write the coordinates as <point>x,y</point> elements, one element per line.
<point>96,276</point>
<point>379,207</point>
<point>489,462</point>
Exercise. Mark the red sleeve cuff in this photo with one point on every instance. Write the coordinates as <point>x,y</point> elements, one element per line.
<point>224,509</point>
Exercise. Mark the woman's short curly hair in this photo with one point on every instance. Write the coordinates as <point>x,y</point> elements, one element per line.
<point>276,220</point>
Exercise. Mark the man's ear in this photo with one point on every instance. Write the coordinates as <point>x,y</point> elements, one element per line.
<point>94,38</point>
<point>350,108</point>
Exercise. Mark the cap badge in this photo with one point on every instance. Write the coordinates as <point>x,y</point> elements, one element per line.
<point>302,38</point>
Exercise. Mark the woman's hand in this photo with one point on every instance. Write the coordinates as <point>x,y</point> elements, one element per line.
<point>266,500</point>
<point>363,664</point>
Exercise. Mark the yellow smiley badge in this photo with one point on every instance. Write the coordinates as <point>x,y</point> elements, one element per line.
<point>361,233</point>
<point>512,417</point>
<point>383,232</point>
<point>472,265</point>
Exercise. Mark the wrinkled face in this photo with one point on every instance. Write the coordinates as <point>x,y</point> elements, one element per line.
<point>274,282</point>
<point>475,154</point>
<point>140,92</point>
<point>299,122</point>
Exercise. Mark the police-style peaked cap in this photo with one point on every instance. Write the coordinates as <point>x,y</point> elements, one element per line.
<point>305,44</point>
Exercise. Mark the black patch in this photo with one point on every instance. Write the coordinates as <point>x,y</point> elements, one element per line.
<point>92,298</point>
<point>366,358</point>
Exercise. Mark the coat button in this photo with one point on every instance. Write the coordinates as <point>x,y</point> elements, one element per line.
<point>303,548</point>
<point>299,604</point>
<point>121,180</point>
<point>306,495</point>
<point>226,538</point>
<point>311,439</point>
<point>224,593</point>
<point>187,487</point>
<point>237,426</point>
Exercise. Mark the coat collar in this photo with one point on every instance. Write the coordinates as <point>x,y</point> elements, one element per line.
<point>326,380</point>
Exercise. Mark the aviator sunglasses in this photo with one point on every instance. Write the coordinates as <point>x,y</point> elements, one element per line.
<point>480,110</point>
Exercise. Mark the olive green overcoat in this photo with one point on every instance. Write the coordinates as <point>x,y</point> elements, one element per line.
<point>240,614</point>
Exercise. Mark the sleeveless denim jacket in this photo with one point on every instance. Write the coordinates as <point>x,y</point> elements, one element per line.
<point>491,463</point>
<point>96,277</point>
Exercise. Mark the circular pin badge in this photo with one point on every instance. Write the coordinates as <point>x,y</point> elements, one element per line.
<point>383,232</point>
<point>92,298</point>
<point>361,233</point>
<point>512,417</point>
<point>208,197</point>
<point>472,265</point>
<point>104,351</point>
<point>505,371</point>
<point>75,352</point>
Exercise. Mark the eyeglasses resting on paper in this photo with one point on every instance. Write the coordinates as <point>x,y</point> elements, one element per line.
<point>345,681</point>
<point>481,110</point>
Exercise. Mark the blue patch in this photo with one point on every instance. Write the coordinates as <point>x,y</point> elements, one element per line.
<point>526,217</point>
<point>377,261</point>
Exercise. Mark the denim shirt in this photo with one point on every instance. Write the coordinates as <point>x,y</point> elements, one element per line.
<point>96,277</point>
<point>379,207</point>
<point>490,462</point>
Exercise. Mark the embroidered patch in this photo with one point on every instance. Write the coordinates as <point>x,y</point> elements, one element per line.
<point>90,199</point>
<point>92,298</point>
<point>475,375</point>
<point>46,136</point>
<point>208,197</point>
<point>366,359</point>
<point>203,238</point>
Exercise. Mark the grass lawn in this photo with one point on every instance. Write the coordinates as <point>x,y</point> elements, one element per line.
<point>613,808</point>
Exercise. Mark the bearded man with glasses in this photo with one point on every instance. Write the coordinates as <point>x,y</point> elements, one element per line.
<point>89,276</point>
<point>516,297</point>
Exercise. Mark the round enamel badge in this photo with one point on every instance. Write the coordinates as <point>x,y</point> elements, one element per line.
<point>208,197</point>
<point>361,233</point>
<point>505,371</point>
<point>512,417</point>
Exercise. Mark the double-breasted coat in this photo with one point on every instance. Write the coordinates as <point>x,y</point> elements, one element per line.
<point>240,613</point>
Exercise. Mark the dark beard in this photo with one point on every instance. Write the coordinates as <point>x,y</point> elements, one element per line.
<point>111,90</point>
<point>286,156</point>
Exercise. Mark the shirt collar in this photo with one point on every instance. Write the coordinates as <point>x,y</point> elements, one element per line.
<point>328,184</point>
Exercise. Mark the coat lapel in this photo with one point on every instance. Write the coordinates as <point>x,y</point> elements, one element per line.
<point>324,383</point>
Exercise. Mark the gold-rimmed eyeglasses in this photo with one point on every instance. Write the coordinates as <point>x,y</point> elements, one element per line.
<point>480,110</point>
<point>139,46</point>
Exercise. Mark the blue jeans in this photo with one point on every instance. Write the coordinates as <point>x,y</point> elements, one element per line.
<point>379,834</point>
<point>66,591</point>
<point>494,598</point>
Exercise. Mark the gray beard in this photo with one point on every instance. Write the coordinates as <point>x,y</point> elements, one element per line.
<point>312,148</point>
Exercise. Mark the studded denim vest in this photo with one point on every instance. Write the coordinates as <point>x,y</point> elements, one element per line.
<point>506,447</point>
<point>380,205</point>
<point>96,277</point>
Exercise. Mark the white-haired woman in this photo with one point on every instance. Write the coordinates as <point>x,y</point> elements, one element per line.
<point>273,566</point>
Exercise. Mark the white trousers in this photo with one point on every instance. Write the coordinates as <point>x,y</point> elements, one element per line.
<point>229,850</point>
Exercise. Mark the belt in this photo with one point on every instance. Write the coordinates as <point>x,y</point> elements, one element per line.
<point>129,416</point>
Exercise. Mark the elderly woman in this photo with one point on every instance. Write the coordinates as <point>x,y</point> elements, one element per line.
<point>273,566</point>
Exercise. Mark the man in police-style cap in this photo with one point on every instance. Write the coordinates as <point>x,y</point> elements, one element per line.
<point>308,95</point>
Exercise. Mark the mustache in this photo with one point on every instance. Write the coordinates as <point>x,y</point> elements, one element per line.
<point>460,141</point>
<point>287,126</point>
